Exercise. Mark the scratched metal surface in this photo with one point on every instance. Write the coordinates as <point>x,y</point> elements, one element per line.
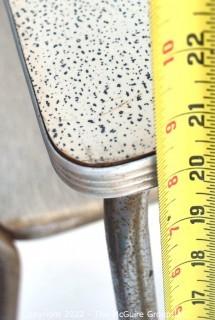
<point>126,221</point>
<point>90,68</point>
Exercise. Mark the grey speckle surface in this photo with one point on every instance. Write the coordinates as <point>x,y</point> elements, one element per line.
<point>89,62</point>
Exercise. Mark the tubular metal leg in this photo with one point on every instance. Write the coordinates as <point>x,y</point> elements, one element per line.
<point>9,278</point>
<point>126,224</point>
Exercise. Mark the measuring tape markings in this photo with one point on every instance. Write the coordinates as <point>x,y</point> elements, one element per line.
<point>183,35</point>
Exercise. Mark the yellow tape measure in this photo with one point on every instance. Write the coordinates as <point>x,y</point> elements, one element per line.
<point>183,38</point>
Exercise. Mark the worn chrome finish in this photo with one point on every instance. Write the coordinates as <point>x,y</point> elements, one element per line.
<point>130,255</point>
<point>9,278</point>
<point>109,182</point>
<point>106,182</point>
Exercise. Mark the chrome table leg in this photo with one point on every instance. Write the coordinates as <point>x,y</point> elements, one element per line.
<point>9,277</point>
<point>126,224</point>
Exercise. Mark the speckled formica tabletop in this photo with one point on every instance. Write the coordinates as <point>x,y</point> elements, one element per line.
<point>89,62</point>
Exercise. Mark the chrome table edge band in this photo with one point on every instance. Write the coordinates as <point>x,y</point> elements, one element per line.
<point>111,182</point>
<point>105,182</point>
